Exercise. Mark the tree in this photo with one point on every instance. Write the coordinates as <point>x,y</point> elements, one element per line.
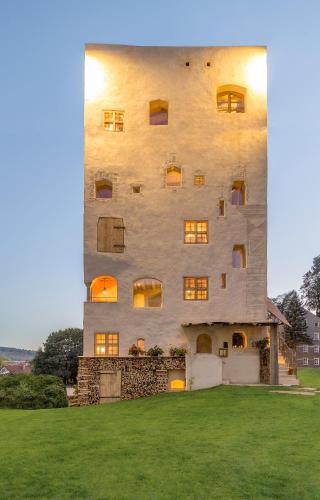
<point>310,288</point>
<point>291,306</point>
<point>59,355</point>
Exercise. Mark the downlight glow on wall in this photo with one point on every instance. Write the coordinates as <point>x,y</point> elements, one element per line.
<point>256,73</point>
<point>95,79</point>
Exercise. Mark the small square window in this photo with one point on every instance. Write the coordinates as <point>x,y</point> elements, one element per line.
<point>199,180</point>
<point>187,63</point>
<point>136,189</point>
<point>208,64</point>
<point>196,288</point>
<point>113,121</point>
<point>195,231</point>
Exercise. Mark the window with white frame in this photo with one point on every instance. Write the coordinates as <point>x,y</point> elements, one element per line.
<point>305,348</point>
<point>316,348</point>
<point>305,361</point>
<point>316,361</point>
<point>316,336</point>
<point>316,323</point>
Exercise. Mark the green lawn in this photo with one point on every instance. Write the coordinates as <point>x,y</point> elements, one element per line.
<point>309,377</point>
<point>223,443</point>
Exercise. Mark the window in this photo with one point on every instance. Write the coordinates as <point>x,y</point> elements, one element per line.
<point>316,336</point>
<point>208,64</point>
<point>199,180</point>
<point>204,344</point>
<point>103,189</point>
<point>223,280</point>
<point>136,189</point>
<point>238,193</point>
<point>305,348</point>
<point>316,324</point>
<point>113,120</point>
<point>176,380</point>
<point>107,344</point>
<point>316,348</point>
<point>104,289</point>
<point>230,99</point>
<point>305,361</point>
<point>158,114</point>
<point>195,231</point>
<point>316,361</point>
<point>239,257</point>
<point>147,292</point>
<point>141,344</point>
<point>187,63</point>
<point>110,235</point>
<point>173,176</point>
<point>196,288</point>
<point>239,340</point>
<point>221,208</point>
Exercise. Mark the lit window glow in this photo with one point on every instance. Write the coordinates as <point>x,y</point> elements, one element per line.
<point>177,385</point>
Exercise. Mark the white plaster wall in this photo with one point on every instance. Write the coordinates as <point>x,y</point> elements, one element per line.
<point>203,371</point>
<point>221,146</point>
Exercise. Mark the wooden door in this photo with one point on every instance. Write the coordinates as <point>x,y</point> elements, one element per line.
<point>110,386</point>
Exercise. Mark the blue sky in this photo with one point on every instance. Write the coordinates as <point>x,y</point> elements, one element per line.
<point>41,138</point>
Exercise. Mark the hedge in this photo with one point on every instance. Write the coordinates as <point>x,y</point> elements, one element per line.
<point>32,392</point>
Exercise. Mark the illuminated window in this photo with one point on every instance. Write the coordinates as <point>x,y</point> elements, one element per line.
<point>230,99</point>
<point>141,344</point>
<point>110,235</point>
<point>113,121</point>
<point>223,280</point>
<point>176,380</point>
<point>238,256</point>
<point>158,112</point>
<point>104,289</point>
<point>196,288</point>
<point>147,292</point>
<point>199,180</point>
<point>196,231</point>
<point>221,208</point>
<point>238,193</point>
<point>103,189</point>
<point>106,344</point>
<point>239,340</point>
<point>204,343</point>
<point>173,176</point>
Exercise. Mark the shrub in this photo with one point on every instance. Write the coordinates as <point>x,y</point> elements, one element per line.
<point>262,344</point>
<point>155,351</point>
<point>135,350</point>
<point>32,392</point>
<point>178,351</point>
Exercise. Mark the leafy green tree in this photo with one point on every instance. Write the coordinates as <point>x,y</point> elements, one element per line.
<point>59,355</point>
<point>310,288</point>
<point>291,306</point>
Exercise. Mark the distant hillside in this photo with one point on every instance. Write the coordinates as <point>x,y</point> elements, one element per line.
<point>17,354</point>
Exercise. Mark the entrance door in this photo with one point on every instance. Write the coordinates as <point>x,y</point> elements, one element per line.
<point>110,386</point>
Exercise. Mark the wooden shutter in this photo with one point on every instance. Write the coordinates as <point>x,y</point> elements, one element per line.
<point>110,234</point>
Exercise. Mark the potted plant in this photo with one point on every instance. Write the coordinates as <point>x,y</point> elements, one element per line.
<point>179,352</point>
<point>155,351</point>
<point>135,350</point>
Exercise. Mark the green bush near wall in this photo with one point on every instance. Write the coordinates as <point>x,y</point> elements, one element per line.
<point>32,392</point>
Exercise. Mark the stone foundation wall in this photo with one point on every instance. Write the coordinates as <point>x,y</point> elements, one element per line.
<point>140,376</point>
<point>265,366</point>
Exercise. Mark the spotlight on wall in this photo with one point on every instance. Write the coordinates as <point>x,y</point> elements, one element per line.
<point>257,74</point>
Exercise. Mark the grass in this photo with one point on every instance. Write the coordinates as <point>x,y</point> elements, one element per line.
<point>223,443</point>
<point>309,377</point>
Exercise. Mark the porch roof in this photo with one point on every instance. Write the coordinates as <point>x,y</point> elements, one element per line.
<point>275,316</point>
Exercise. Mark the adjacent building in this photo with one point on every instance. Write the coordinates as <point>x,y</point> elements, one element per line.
<point>175,217</point>
<point>309,354</point>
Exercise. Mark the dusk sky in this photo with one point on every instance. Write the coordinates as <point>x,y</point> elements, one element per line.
<point>42,137</point>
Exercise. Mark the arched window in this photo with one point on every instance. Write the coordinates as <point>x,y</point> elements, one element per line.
<point>230,99</point>
<point>173,176</point>
<point>158,114</point>
<point>176,380</point>
<point>239,340</point>
<point>204,343</point>
<point>103,189</point>
<point>238,193</point>
<point>147,292</point>
<point>239,256</point>
<point>104,289</point>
